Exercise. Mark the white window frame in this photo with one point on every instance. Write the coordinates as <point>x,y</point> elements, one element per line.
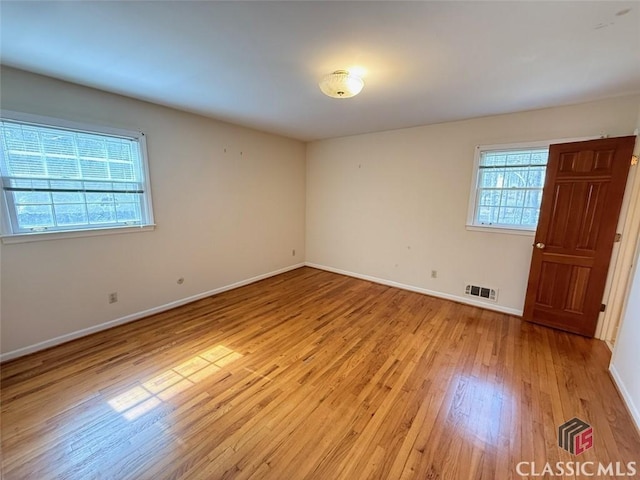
<point>471,224</point>
<point>7,233</point>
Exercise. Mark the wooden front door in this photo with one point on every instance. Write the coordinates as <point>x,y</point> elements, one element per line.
<point>581,203</point>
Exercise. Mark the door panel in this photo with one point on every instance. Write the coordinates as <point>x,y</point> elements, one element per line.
<point>578,283</point>
<point>581,203</point>
<point>593,210</point>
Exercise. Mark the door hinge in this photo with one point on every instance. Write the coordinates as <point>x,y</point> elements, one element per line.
<point>617,238</point>
<point>603,307</point>
<point>634,160</point>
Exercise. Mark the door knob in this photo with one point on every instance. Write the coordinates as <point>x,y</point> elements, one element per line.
<point>540,245</point>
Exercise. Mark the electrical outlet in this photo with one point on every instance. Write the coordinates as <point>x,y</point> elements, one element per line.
<point>293,252</point>
<point>434,274</point>
<point>113,297</point>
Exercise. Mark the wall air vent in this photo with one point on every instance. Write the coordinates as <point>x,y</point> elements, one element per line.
<point>485,293</point>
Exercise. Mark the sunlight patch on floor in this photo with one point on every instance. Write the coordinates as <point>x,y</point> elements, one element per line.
<point>149,394</point>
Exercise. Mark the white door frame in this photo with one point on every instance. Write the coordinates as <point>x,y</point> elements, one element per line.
<point>622,258</point>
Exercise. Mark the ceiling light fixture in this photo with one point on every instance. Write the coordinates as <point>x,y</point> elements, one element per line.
<point>341,84</point>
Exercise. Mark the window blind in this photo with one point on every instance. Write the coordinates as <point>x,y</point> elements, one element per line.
<point>61,179</point>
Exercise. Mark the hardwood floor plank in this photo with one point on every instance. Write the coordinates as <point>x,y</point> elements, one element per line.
<point>313,376</point>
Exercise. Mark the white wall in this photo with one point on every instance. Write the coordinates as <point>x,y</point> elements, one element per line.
<point>625,363</point>
<point>221,218</point>
<point>390,205</point>
<point>393,205</point>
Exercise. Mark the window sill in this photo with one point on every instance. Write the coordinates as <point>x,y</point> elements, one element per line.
<point>40,236</point>
<point>508,231</point>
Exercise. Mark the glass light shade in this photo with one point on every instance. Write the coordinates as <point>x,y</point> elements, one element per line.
<point>341,84</point>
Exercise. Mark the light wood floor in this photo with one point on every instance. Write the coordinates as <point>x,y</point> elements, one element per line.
<point>309,375</point>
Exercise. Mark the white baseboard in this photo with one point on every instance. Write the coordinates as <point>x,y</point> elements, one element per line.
<point>138,315</point>
<point>411,288</point>
<point>626,397</point>
<point>145,313</point>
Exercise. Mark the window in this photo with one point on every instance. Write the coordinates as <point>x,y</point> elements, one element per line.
<point>60,177</point>
<point>507,189</point>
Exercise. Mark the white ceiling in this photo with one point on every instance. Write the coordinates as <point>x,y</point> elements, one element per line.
<point>258,63</point>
